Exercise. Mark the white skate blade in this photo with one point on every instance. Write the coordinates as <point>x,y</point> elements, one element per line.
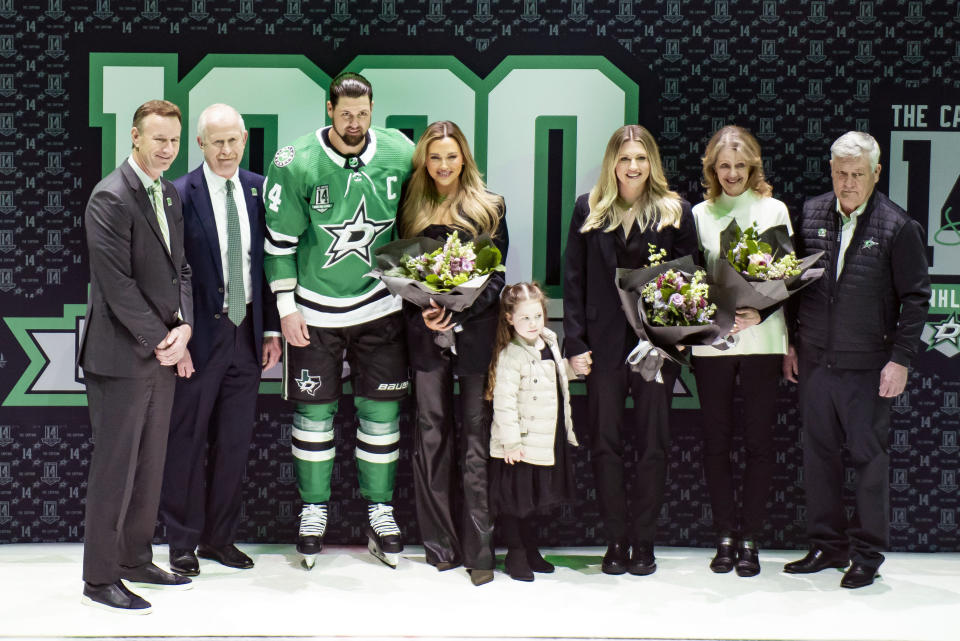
<point>389,558</point>
<point>308,561</point>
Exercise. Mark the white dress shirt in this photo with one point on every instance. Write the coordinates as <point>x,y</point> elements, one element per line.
<point>217,186</point>
<point>848,225</point>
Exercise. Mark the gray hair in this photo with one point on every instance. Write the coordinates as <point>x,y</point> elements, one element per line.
<point>208,113</point>
<point>854,144</point>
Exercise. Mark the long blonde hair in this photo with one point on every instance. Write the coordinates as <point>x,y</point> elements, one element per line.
<point>474,209</point>
<point>737,139</point>
<point>510,297</point>
<point>659,206</point>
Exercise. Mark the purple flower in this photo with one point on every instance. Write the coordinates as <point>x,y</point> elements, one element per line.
<point>676,300</point>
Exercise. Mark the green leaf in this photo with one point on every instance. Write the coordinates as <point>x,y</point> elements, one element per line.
<point>488,258</point>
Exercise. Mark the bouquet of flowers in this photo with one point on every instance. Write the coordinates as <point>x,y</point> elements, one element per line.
<point>761,267</point>
<point>756,259</point>
<point>450,272</point>
<point>669,304</point>
<point>451,265</point>
<point>674,299</point>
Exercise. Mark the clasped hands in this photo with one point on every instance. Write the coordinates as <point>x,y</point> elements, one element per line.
<point>581,363</point>
<point>174,344</point>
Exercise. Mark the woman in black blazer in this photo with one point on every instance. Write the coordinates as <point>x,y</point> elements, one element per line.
<point>446,193</point>
<point>630,207</point>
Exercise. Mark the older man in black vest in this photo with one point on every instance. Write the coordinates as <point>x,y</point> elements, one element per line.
<point>855,331</point>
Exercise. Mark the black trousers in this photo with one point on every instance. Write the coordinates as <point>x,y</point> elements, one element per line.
<point>130,418</point>
<point>842,409</point>
<point>210,431</point>
<point>716,379</point>
<point>650,428</point>
<point>445,486</point>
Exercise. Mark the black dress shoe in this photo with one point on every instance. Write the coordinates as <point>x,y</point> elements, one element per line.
<point>726,556</point>
<point>815,561</point>
<point>150,576</point>
<point>516,565</point>
<point>749,562</point>
<point>227,555</point>
<point>616,559</point>
<point>184,562</point>
<point>642,561</point>
<point>443,566</point>
<point>858,576</point>
<point>115,597</point>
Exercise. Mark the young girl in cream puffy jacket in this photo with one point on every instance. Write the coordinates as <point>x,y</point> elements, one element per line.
<point>531,464</point>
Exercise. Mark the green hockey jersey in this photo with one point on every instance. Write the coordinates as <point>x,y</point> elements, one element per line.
<point>326,214</point>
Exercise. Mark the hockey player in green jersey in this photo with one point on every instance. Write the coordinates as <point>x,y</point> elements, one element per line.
<point>331,200</point>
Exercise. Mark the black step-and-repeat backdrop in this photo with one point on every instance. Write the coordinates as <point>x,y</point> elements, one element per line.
<point>538,86</point>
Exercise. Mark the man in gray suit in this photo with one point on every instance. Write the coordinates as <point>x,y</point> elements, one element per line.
<point>138,323</point>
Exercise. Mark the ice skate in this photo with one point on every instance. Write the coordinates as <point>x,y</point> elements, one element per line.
<point>313,525</point>
<point>383,535</point>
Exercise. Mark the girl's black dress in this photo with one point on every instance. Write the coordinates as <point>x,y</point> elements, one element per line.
<point>522,489</point>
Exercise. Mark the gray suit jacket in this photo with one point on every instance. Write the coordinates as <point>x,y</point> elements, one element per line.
<point>136,285</point>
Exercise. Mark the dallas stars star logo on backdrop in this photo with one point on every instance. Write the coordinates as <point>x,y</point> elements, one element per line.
<point>355,236</point>
<point>943,336</point>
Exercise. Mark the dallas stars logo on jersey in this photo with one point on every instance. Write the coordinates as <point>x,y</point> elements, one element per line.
<point>354,236</point>
<point>306,383</point>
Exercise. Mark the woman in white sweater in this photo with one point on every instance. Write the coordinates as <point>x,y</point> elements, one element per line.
<point>737,190</point>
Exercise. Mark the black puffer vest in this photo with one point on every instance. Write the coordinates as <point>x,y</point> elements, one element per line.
<point>850,323</point>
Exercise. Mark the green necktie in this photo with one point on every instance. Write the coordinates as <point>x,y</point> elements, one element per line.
<point>236,296</point>
<point>156,197</point>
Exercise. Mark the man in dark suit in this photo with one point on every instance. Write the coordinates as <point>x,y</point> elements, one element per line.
<point>216,392</point>
<point>138,323</point>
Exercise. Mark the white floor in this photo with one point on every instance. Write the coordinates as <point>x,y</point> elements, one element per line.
<point>350,594</point>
